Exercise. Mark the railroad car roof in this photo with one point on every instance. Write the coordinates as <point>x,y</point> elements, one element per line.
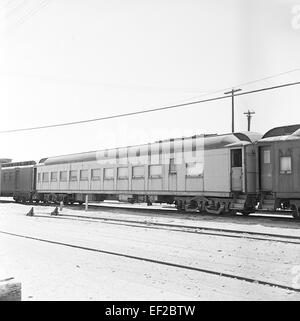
<point>5,160</point>
<point>290,132</point>
<point>19,164</point>
<point>208,141</point>
<point>281,131</point>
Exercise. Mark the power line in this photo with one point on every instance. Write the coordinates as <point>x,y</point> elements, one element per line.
<point>248,83</point>
<point>149,110</point>
<point>270,77</point>
<point>243,84</point>
<point>145,87</point>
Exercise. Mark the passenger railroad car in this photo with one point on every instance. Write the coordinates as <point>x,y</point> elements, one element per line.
<point>215,173</point>
<point>279,169</point>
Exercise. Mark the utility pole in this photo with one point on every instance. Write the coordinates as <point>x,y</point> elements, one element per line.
<point>249,116</point>
<point>232,92</point>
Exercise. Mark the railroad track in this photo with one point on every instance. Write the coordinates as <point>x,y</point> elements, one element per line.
<point>203,230</point>
<point>168,210</point>
<point>173,211</point>
<point>160,262</point>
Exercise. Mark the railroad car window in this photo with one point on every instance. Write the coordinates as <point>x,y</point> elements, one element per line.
<point>10,176</point>
<point>160,147</point>
<point>154,158</point>
<point>193,146</point>
<point>39,177</point>
<point>194,169</point>
<point>45,177</point>
<point>108,173</point>
<point>172,168</point>
<point>73,175</point>
<point>286,165</point>
<point>123,172</point>
<point>84,175</point>
<point>149,151</point>
<point>236,158</point>
<point>172,146</point>
<point>53,176</point>
<point>5,177</point>
<point>138,171</point>
<point>155,170</point>
<point>63,176</point>
<point>267,156</point>
<point>96,174</point>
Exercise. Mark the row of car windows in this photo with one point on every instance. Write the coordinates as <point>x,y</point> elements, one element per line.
<point>72,175</point>
<point>193,169</point>
<point>8,176</point>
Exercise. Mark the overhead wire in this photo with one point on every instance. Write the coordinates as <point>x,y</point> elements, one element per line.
<point>247,83</point>
<point>43,3</point>
<point>150,110</point>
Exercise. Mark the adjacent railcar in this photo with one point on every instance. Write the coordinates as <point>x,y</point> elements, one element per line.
<point>18,180</point>
<point>3,161</point>
<point>278,182</point>
<point>215,173</point>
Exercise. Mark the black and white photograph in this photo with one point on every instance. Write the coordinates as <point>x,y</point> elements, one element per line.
<point>149,152</point>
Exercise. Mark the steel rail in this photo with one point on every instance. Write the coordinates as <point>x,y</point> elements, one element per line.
<point>280,238</point>
<point>165,263</point>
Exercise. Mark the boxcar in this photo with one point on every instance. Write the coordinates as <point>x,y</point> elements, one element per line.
<point>18,180</point>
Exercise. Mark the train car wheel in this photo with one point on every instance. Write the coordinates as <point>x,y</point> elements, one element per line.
<point>180,206</point>
<point>245,213</point>
<point>296,214</point>
<point>201,208</point>
<point>66,200</point>
<point>217,208</point>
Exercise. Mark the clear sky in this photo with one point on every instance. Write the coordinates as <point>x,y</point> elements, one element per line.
<point>69,60</point>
